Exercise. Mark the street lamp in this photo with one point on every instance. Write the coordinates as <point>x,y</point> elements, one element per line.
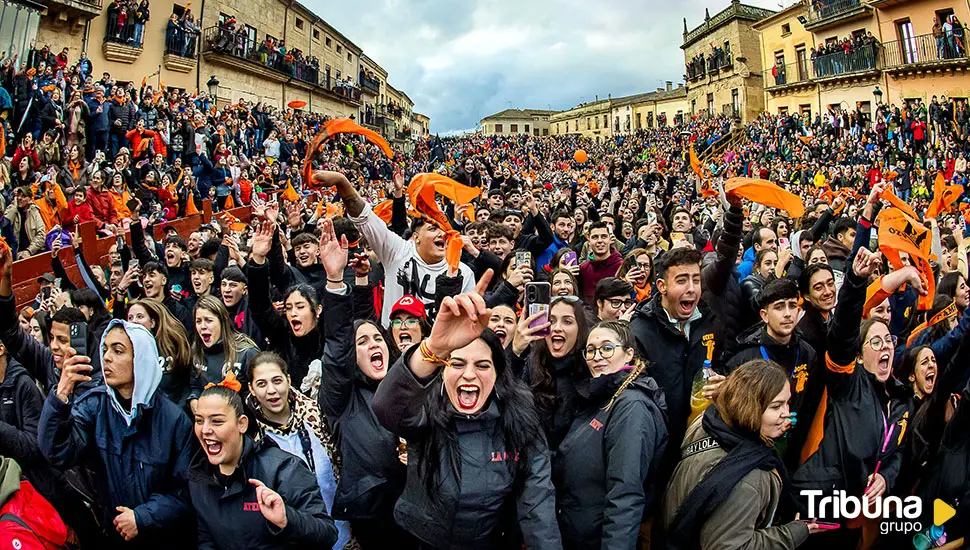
<point>213,84</point>
<point>877,94</point>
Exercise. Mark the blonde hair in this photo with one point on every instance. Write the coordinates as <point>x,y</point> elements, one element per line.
<point>170,335</point>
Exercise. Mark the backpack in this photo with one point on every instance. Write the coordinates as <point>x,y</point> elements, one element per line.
<point>29,522</point>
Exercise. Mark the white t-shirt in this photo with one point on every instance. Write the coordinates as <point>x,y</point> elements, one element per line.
<point>404,270</point>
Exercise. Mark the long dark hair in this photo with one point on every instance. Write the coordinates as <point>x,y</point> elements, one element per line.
<point>89,298</point>
<point>519,423</point>
<point>543,376</point>
<point>392,351</point>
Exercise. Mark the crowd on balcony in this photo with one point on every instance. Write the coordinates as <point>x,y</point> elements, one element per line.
<point>949,37</point>
<point>851,54</point>
<point>182,34</point>
<point>125,22</point>
<point>701,64</point>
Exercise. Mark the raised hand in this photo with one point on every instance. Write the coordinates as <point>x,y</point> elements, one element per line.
<point>460,320</point>
<point>333,252</point>
<point>270,504</point>
<point>525,335</point>
<point>262,242</point>
<point>75,370</point>
<point>865,261</point>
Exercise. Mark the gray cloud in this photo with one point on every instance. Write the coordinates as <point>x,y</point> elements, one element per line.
<point>461,60</point>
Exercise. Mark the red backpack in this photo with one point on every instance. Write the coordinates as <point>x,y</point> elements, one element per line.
<point>29,522</point>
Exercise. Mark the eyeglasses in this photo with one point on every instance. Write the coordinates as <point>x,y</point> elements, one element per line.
<point>878,342</point>
<point>645,267</point>
<point>606,351</point>
<point>408,323</point>
<point>617,303</point>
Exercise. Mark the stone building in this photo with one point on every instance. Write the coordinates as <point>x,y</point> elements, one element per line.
<point>534,122</point>
<point>723,63</point>
<point>623,115</point>
<point>231,54</point>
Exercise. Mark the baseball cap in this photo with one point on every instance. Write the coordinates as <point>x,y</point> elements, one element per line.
<point>46,277</point>
<point>409,304</point>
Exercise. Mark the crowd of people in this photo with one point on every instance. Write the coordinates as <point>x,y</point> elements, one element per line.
<point>182,34</point>
<point>626,350</point>
<point>851,54</point>
<point>126,22</point>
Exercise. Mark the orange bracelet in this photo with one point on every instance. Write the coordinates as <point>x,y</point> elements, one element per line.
<point>429,356</point>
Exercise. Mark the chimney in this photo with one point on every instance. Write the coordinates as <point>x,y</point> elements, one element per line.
<point>670,85</point>
<point>597,97</point>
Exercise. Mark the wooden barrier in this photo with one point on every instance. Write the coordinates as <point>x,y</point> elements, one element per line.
<point>95,249</point>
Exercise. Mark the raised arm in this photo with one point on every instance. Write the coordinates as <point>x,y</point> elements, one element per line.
<point>843,332</point>
<point>261,309</point>
<point>339,351</point>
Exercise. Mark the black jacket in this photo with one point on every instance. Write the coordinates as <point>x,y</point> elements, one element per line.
<point>535,242</point>
<point>37,358</point>
<point>229,516</point>
<point>751,291</point>
<point>20,406</point>
<point>844,453</point>
<point>483,506</point>
<point>372,477</point>
<point>606,469</point>
<point>813,328</point>
<point>805,372</point>
<point>567,371</point>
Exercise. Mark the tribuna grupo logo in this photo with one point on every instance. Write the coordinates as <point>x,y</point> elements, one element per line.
<point>899,515</point>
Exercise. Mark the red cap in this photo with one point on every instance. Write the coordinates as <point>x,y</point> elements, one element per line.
<point>409,304</point>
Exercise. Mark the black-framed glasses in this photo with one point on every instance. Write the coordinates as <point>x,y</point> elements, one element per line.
<point>606,351</point>
<point>408,323</point>
<point>646,267</point>
<point>878,342</point>
<point>621,303</point>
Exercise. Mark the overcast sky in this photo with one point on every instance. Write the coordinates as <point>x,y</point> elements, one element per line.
<point>460,60</point>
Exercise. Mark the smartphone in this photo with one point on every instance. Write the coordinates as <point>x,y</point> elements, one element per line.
<point>79,338</point>
<point>134,263</point>
<point>523,257</point>
<point>676,236</point>
<point>537,298</point>
<point>45,292</point>
<point>569,257</point>
<point>131,205</point>
<point>783,242</point>
<point>824,525</point>
<point>651,217</point>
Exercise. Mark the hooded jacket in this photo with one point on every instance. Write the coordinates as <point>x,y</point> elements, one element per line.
<point>229,517</point>
<point>836,252</point>
<point>139,457</point>
<point>605,470</point>
<point>35,229</point>
<point>482,506</point>
<point>372,477</point>
<point>842,452</point>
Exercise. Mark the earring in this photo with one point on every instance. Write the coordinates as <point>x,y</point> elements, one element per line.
<point>441,388</point>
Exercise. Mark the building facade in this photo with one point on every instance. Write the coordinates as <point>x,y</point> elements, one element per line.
<point>234,48</point>
<point>623,115</point>
<point>530,122</point>
<point>723,63</point>
<point>853,55</point>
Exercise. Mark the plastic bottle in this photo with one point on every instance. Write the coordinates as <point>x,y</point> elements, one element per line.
<point>934,537</point>
<point>699,403</point>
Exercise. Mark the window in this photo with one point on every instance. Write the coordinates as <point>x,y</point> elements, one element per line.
<point>783,110</point>
<point>337,74</point>
<point>223,18</point>
<point>271,37</point>
<point>251,35</point>
<point>299,23</point>
<point>340,49</point>
<point>805,109</point>
<point>780,58</point>
<point>545,131</point>
<point>329,43</point>
<point>802,59</point>
<point>606,119</point>
<point>498,128</point>
<point>178,10</point>
<point>350,57</point>
<point>638,121</point>
<point>316,35</point>
<point>907,41</point>
<point>514,128</point>
<point>597,123</point>
<point>736,101</point>
<point>576,128</point>
<point>527,128</point>
<point>786,29</point>
<point>588,126</point>
<point>710,104</point>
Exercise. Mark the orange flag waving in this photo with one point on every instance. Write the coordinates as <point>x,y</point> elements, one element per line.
<point>290,194</point>
<point>695,164</point>
<point>422,191</point>
<point>943,196</point>
<point>312,150</point>
<point>461,194</point>
<point>384,210</point>
<point>766,193</point>
<point>229,202</point>
<point>190,208</point>
<point>900,233</point>
<point>897,202</point>
<point>346,126</point>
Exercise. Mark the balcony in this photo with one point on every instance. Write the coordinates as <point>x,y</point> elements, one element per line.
<point>235,50</point>
<point>371,85</point>
<point>827,12</point>
<point>71,9</point>
<point>859,64</point>
<point>180,51</point>
<point>925,53</point>
<point>122,42</point>
<point>787,77</point>
<point>702,66</point>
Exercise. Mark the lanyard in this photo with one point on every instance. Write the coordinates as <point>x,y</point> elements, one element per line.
<point>798,354</point>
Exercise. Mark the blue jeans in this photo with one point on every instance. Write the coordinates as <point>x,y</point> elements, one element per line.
<point>116,142</point>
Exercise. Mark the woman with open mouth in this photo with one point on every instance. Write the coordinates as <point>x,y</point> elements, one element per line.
<point>867,409</point>
<point>217,347</point>
<point>502,322</point>
<point>297,334</point>
<point>613,467</point>
<point>475,444</point>
<point>233,476</point>
<point>409,322</point>
<point>553,364</point>
<point>294,422</point>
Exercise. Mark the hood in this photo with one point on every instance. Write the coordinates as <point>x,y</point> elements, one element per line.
<point>9,479</point>
<point>834,249</point>
<point>14,371</point>
<point>147,367</point>
<point>749,255</point>
<point>795,249</point>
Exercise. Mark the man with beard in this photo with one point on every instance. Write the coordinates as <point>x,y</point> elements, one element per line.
<point>563,232</point>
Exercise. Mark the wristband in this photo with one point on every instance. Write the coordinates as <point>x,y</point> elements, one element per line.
<point>429,356</point>
<point>340,282</point>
